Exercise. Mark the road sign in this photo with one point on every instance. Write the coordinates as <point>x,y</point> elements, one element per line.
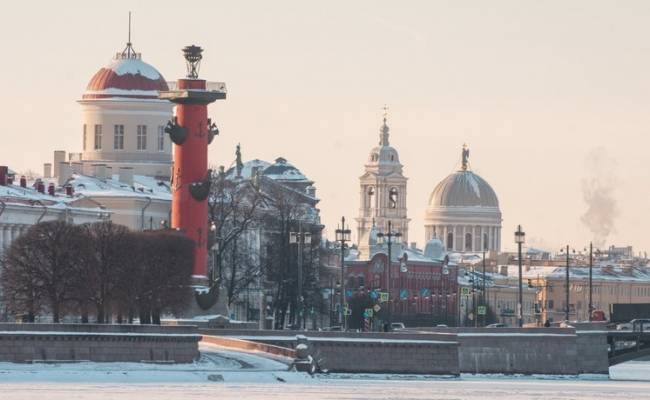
<point>369,312</point>
<point>482,310</point>
<point>376,308</point>
<point>347,311</point>
<point>383,297</point>
<point>464,291</point>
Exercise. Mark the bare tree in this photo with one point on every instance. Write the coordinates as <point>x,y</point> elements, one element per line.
<point>164,282</point>
<point>41,266</point>
<point>109,259</point>
<point>233,210</point>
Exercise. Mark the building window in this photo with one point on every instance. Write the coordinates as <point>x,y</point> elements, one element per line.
<point>85,138</point>
<point>468,242</point>
<point>485,241</point>
<point>142,137</point>
<point>118,137</point>
<point>392,198</point>
<point>161,138</point>
<point>450,241</point>
<point>98,137</point>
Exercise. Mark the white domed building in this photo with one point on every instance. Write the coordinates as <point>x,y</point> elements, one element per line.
<point>123,121</point>
<point>463,212</point>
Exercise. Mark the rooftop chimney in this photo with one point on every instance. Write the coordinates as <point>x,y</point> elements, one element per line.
<point>65,173</point>
<point>4,171</point>
<point>23,181</point>
<point>47,170</point>
<point>59,157</point>
<point>126,175</point>
<point>40,186</point>
<point>69,190</point>
<point>51,189</point>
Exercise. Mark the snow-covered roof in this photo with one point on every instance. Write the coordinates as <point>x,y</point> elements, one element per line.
<point>126,77</point>
<point>143,186</point>
<point>600,271</point>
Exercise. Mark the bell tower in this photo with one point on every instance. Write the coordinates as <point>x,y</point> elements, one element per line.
<point>382,193</point>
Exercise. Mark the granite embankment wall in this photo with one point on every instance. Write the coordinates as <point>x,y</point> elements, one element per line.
<point>95,342</point>
<point>560,351</point>
<point>435,354</point>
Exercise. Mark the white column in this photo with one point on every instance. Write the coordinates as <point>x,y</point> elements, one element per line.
<point>2,238</point>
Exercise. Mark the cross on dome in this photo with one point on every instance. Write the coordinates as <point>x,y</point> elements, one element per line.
<point>383,136</point>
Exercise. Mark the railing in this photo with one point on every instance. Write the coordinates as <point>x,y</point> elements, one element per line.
<point>211,86</point>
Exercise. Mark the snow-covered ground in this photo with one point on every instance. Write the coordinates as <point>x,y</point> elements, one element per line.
<point>227,374</point>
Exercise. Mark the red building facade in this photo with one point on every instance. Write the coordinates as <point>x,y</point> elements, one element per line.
<point>423,292</point>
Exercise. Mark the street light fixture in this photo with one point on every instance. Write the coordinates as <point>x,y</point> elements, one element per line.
<point>299,238</point>
<point>343,235</point>
<point>520,239</point>
<point>567,284</point>
<point>389,235</point>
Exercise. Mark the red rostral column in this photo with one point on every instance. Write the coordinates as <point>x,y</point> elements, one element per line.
<point>192,131</point>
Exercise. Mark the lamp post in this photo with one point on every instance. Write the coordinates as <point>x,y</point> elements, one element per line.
<point>300,238</point>
<point>389,235</point>
<point>520,238</point>
<point>483,294</point>
<point>567,284</point>
<point>342,236</point>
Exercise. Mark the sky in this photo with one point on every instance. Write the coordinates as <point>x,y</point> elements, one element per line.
<point>552,97</point>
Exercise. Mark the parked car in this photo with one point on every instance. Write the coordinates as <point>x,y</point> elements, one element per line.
<point>397,326</point>
<point>497,325</point>
<point>640,324</point>
<point>441,326</point>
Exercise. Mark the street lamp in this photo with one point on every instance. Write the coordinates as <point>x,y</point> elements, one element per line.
<point>389,235</point>
<point>520,239</point>
<point>215,253</point>
<point>566,310</point>
<point>299,238</point>
<point>342,236</point>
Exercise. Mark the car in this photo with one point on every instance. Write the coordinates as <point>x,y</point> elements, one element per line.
<point>497,325</point>
<point>397,326</point>
<point>441,326</point>
<point>640,325</point>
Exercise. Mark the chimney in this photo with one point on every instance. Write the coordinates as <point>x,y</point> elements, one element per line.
<point>65,173</point>
<point>69,190</point>
<point>51,189</point>
<point>47,170</point>
<point>40,186</point>
<point>59,157</point>
<point>99,171</point>
<point>126,176</point>
<point>23,182</point>
<point>4,171</point>
<point>414,246</point>
<point>503,270</point>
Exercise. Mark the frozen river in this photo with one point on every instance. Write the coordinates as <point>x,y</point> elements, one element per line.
<point>223,374</point>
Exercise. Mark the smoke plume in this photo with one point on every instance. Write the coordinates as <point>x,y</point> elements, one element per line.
<point>598,189</point>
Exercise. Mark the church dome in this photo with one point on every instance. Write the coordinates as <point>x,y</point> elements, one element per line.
<point>384,155</point>
<point>463,189</point>
<point>126,76</point>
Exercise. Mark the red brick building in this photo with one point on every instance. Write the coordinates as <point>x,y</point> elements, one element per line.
<point>423,291</point>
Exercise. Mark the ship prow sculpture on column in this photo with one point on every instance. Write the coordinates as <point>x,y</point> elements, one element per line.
<point>192,131</point>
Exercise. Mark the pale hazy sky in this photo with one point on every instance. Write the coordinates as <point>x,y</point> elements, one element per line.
<point>533,87</point>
